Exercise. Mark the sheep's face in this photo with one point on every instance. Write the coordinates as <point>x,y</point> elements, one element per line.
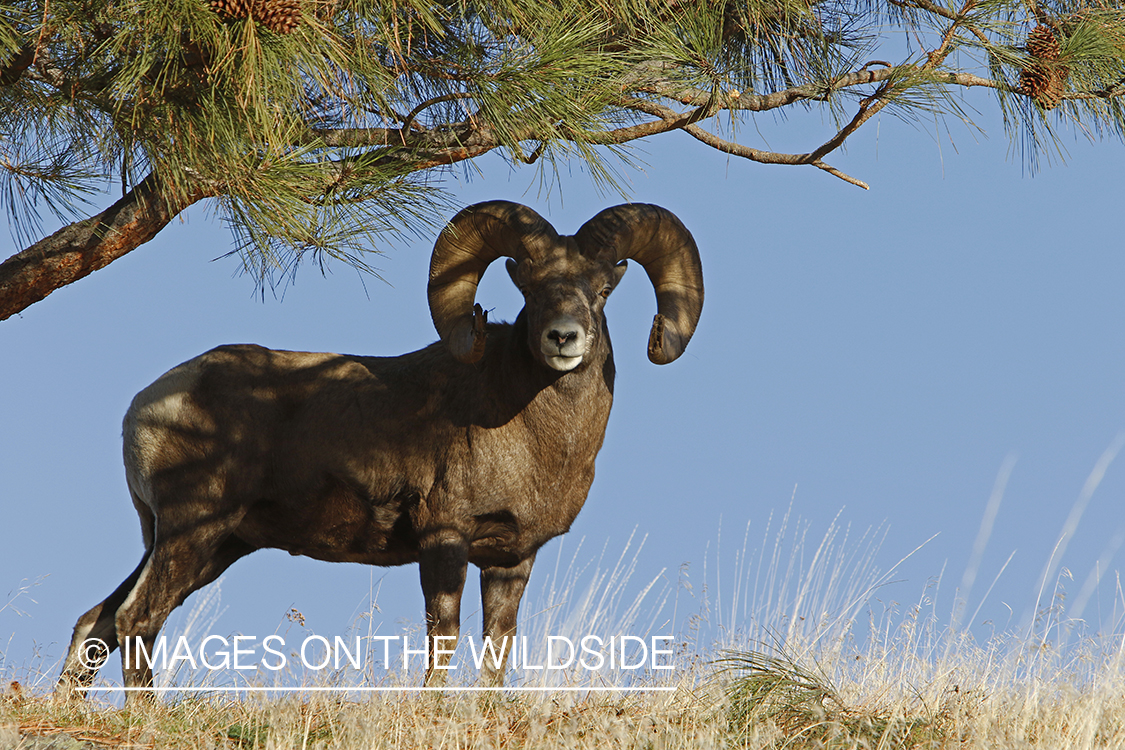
<point>564,295</point>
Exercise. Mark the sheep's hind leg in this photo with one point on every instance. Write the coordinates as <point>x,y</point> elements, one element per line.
<point>95,633</point>
<point>500,591</point>
<point>94,639</point>
<point>179,566</point>
<point>442,563</point>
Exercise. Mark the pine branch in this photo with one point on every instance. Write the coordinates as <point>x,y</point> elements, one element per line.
<point>443,137</point>
<point>328,123</point>
<point>85,246</point>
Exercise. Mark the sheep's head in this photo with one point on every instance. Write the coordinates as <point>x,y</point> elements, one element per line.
<point>564,294</point>
<point>565,280</point>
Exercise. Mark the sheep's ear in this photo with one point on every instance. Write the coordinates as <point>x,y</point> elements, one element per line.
<point>517,270</point>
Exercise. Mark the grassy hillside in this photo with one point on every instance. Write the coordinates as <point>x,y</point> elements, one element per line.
<point>970,699</point>
<point>798,654</point>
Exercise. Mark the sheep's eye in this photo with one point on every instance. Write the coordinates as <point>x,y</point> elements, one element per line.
<point>606,290</point>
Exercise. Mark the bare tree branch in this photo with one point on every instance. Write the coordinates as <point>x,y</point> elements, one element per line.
<point>676,120</point>
<point>767,157</point>
<point>409,119</point>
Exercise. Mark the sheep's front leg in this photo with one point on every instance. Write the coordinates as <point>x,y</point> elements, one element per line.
<point>500,591</point>
<point>443,559</point>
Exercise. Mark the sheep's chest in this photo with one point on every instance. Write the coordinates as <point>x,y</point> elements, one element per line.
<point>528,482</point>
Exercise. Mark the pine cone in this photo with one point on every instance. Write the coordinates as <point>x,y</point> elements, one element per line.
<point>279,16</point>
<point>230,8</point>
<point>1043,79</point>
<point>1041,43</point>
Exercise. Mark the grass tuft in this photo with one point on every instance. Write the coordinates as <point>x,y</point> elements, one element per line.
<point>774,701</point>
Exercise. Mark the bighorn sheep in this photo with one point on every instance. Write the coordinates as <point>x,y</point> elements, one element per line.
<point>479,448</point>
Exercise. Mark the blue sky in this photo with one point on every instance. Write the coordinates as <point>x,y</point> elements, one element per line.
<point>868,356</point>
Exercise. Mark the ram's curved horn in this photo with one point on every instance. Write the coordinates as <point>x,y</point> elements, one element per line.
<point>475,237</point>
<point>656,239</point>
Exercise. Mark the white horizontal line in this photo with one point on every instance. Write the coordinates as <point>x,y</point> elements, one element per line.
<point>374,689</point>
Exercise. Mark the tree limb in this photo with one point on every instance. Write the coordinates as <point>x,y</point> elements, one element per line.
<point>765,102</point>
<point>675,120</point>
<point>79,249</point>
<point>83,247</point>
<point>767,157</point>
<point>705,102</point>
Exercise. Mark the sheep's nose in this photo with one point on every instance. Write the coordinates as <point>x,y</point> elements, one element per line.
<point>561,337</point>
<point>563,343</point>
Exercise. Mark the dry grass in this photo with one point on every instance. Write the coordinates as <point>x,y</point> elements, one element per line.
<point>461,720</point>
<point>813,665</point>
<point>751,700</point>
